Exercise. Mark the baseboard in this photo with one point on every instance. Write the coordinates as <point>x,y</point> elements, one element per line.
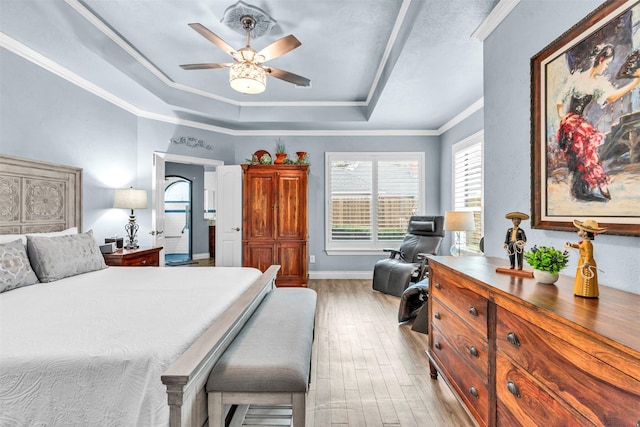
<point>204,255</point>
<point>363,275</point>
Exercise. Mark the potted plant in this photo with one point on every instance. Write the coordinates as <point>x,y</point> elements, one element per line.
<point>281,153</point>
<point>547,262</point>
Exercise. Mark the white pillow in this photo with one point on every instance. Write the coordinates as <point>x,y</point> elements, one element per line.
<point>6,238</point>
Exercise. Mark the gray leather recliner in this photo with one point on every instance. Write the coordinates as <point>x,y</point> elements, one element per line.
<point>408,264</point>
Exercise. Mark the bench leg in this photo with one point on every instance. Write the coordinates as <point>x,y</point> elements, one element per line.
<point>299,408</point>
<point>216,410</point>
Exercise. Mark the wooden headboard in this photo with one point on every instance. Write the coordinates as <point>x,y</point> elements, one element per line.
<point>38,197</point>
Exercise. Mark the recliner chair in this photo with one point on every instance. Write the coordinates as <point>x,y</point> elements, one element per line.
<point>408,264</point>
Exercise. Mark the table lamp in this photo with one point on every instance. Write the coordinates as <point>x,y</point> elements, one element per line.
<point>458,221</point>
<point>129,198</point>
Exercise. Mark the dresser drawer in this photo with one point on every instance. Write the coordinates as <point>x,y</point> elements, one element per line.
<point>470,386</point>
<point>142,260</point>
<point>472,346</point>
<point>466,303</point>
<point>521,401</point>
<point>603,394</point>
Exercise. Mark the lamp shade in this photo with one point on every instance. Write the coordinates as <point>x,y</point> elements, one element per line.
<point>129,198</point>
<point>459,221</point>
<point>247,77</point>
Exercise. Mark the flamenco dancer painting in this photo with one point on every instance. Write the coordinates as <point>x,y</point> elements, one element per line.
<point>591,124</point>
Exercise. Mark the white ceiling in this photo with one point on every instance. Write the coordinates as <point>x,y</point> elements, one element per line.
<point>373,64</point>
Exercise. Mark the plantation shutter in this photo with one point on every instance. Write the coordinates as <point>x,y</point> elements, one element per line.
<point>467,187</point>
<point>370,198</point>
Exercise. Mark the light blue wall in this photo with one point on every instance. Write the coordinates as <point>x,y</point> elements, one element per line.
<point>531,26</point>
<point>44,117</point>
<point>317,147</point>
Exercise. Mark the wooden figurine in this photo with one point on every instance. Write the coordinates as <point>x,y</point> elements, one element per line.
<point>515,239</point>
<point>586,281</point>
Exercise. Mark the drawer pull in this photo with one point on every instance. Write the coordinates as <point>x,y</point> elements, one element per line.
<point>513,389</point>
<point>473,311</point>
<point>437,315</point>
<point>473,351</point>
<point>513,339</point>
<point>437,345</point>
<point>144,261</point>
<point>438,285</point>
<point>474,392</point>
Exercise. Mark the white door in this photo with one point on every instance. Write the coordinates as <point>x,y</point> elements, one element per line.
<point>229,216</point>
<point>157,215</point>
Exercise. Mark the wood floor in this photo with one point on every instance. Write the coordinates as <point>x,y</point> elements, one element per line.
<point>367,370</point>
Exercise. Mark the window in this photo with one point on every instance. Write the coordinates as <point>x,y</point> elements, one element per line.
<point>468,185</point>
<point>370,197</point>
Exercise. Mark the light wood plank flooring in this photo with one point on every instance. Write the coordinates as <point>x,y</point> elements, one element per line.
<point>368,370</point>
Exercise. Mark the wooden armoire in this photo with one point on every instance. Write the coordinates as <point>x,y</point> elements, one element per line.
<point>274,220</point>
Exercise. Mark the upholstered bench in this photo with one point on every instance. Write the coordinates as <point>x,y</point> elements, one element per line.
<point>269,362</point>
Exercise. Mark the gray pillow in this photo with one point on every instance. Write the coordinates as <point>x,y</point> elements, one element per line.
<point>15,270</point>
<point>54,258</point>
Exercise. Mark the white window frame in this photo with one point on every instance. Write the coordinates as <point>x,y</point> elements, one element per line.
<point>477,138</point>
<point>369,247</point>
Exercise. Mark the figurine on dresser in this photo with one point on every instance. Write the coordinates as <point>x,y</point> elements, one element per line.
<point>515,239</point>
<point>586,281</point>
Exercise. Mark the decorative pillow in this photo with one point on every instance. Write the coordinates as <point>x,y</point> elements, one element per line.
<point>54,258</point>
<point>15,270</point>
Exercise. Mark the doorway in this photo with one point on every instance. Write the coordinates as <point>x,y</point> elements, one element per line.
<point>228,242</point>
<point>178,220</point>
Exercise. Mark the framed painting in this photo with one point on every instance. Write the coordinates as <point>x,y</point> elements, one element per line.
<point>585,123</point>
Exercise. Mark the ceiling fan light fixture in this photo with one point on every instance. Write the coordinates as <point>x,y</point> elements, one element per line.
<point>247,78</point>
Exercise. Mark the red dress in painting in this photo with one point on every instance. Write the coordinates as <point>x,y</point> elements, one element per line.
<point>579,141</point>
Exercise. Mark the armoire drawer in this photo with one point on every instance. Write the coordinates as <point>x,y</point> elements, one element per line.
<point>470,386</point>
<point>601,393</point>
<point>521,401</point>
<point>472,346</point>
<point>467,304</point>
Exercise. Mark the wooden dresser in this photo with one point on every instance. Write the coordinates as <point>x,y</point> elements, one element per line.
<point>519,353</point>
<point>274,220</point>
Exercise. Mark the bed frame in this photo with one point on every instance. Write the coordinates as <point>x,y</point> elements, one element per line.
<point>186,377</point>
<point>40,197</point>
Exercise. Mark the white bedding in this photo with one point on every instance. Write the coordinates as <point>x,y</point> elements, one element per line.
<point>89,350</point>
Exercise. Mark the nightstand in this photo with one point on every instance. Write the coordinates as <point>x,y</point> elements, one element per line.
<point>141,257</point>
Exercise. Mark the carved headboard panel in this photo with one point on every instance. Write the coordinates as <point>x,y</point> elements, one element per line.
<point>37,197</point>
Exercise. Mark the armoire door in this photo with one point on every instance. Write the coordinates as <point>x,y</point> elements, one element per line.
<point>291,205</point>
<point>259,205</point>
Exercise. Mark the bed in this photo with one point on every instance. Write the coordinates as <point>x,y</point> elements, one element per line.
<point>114,346</point>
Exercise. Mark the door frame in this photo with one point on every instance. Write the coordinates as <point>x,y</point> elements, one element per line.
<point>157,190</point>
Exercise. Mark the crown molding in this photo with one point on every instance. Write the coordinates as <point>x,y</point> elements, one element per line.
<point>476,106</point>
<point>491,22</point>
<point>47,64</point>
<point>87,14</point>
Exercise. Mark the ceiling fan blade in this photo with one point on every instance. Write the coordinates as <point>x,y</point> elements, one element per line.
<point>209,35</point>
<point>279,47</point>
<point>287,76</point>
<point>206,66</point>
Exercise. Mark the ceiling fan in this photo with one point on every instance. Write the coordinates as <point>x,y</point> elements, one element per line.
<point>247,74</point>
